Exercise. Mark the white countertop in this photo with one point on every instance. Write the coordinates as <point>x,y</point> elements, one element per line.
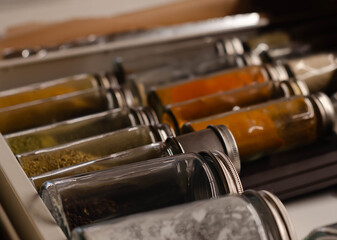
<point>313,211</point>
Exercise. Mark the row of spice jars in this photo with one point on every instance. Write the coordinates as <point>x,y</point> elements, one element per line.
<point>269,68</point>
<point>70,97</point>
<point>182,178</point>
<point>270,89</point>
<point>85,94</point>
<point>58,100</point>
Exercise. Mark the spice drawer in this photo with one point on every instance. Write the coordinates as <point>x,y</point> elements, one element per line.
<point>26,210</point>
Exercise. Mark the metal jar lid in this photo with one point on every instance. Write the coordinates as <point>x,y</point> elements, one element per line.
<point>326,110</point>
<point>102,80</point>
<point>233,46</point>
<point>118,98</point>
<point>277,72</point>
<point>112,80</point>
<point>229,144</point>
<point>278,212</point>
<point>163,131</point>
<point>228,174</point>
<point>297,87</point>
<point>131,96</point>
<point>145,115</point>
<point>252,59</point>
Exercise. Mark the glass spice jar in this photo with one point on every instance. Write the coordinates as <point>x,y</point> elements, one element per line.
<point>141,59</point>
<point>323,233</point>
<point>250,216</point>
<point>138,187</point>
<point>274,126</point>
<point>177,114</point>
<point>215,138</point>
<point>41,161</point>
<point>79,128</point>
<point>54,88</point>
<point>59,108</point>
<point>185,90</point>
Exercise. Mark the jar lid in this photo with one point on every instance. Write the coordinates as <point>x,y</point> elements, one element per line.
<point>279,213</point>
<point>163,130</point>
<point>229,144</point>
<point>326,110</point>
<point>112,80</point>
<point>277,72</point>
<point>118,97</point>
<point>297,87</point>
<point>251,59</point>
<point>229,176</point>
<point>103,80</point>
<point>131,96</point>
<point>145,115</point>
<point>233,46</point>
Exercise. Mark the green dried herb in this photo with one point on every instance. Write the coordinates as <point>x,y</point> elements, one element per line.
<point>24,144</point>
<point>42,163</point>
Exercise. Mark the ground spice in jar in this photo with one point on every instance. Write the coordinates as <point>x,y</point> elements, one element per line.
<point>183,91</point>
<point>59,108</point>
<point>71,130</point>
<point>47,89</point>
<point>38,162</point>
<point>45,163</point>
<point>267,128</point>
<point>177,114</point>
<point>30,143</point>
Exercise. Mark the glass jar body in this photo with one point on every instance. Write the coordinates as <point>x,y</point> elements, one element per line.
<point>71,130</point>
<point>145,58</point>
<point>124,190</point>
<point>35,163</point>
<point>138,154</point>
<point>48,89</point>
<point>229,217</point>
<point>55,109</point>
<point>270,127</point>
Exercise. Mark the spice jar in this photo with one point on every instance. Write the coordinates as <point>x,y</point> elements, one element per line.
<point>323,233</point>
<point>185,90</point>
<point>79,128</point>
<point>274,126</point>
<point>177,114</point>
<point>54,88</point>
<point>250,216</point>
<point>38,162</point>
<point>55,109</point>
<point>318,71</point>
<point>138,187</point>
<point>144,58</point>
<point>215,138</point>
